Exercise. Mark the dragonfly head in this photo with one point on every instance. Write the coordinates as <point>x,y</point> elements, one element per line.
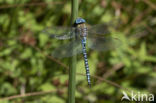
<point>79,21</point>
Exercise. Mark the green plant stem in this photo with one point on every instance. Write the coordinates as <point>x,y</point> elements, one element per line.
<point>72,71</point>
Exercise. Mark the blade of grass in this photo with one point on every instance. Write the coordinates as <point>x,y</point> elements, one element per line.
<point>72,71</point>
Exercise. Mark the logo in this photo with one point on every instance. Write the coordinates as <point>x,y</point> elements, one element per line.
<point>137,96</point>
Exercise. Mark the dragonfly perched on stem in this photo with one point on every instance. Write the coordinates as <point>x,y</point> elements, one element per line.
<point>95,35</point>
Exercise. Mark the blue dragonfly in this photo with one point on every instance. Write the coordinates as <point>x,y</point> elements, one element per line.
<point>95,35</point>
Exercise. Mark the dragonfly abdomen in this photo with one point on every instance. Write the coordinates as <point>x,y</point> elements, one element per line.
<point>86,60</point>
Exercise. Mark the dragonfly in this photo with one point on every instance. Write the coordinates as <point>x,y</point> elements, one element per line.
<point>97,36</point>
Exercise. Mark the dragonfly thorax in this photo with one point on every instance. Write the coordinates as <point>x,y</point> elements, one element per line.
<point>82,30</point>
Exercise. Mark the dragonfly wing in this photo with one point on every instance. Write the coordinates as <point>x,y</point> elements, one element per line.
<point>60,32</point>
<point>99,29</point>
<point>68,50</point>
<point>103,43</point>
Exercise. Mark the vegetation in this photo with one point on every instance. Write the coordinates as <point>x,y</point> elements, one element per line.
<point>29,74</point>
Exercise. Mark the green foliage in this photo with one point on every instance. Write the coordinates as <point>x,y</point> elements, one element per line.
<point>24,51</point>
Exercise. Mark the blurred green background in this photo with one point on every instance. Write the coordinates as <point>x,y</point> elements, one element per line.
<point>27,67</point>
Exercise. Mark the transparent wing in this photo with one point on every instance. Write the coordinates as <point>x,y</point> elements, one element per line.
<point>67,51</point>
<point>60,32</point>
<point>99,29</point>
<point>103,43</point>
